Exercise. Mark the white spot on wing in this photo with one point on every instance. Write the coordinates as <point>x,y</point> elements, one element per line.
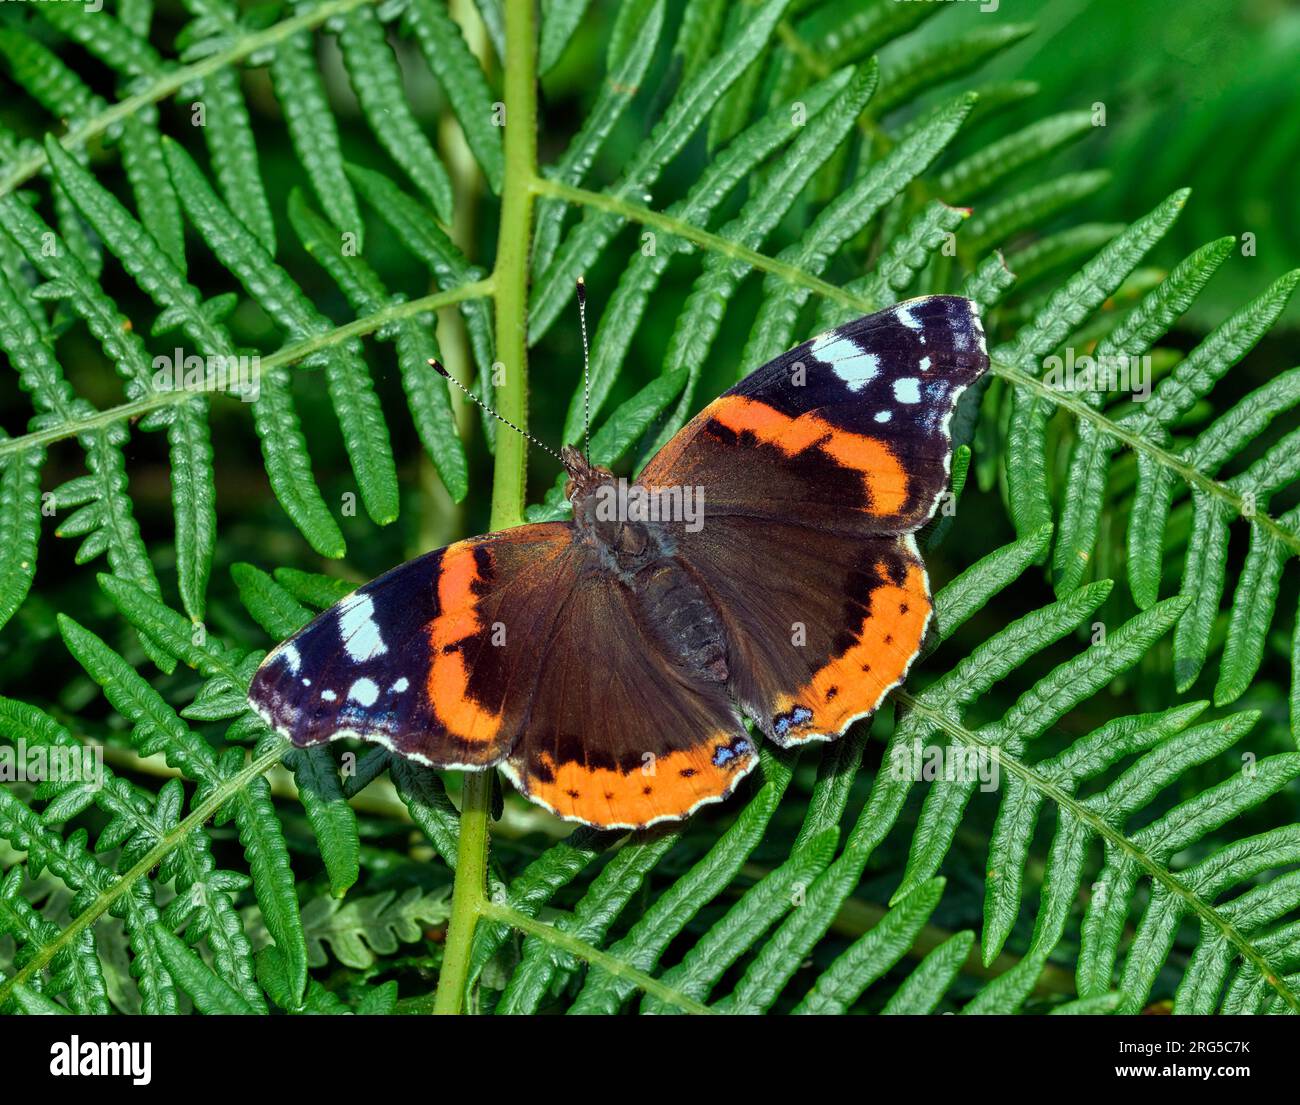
<point>401,684</point>
<point>856,368</point>
<point>328,695</point>
<point>907,390</point>
<point>925,364</point>
<point>364,691</point>
<point>358,629</point>
<point>290,655</point>
<point>884,416</point>
<point>905,316</point>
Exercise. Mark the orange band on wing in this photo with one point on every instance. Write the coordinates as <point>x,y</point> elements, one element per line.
<point>448,673</point>
<point>853,683</point>
<point>881,470</point>
<point>669,787</point>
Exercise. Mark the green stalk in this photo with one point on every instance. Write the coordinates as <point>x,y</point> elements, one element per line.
<point>510,283</point>
<point>514,243</point>
<point>467,895</point>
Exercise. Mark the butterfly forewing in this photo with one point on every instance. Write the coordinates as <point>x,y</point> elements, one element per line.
<point>848,431</point>
<point>436,659</point>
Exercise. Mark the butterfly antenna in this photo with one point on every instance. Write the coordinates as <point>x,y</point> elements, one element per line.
<point>500,418</point>
<point>586,370</point>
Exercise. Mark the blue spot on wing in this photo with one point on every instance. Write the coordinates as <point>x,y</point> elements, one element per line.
<point>783,723</point>
<point>725,753</point>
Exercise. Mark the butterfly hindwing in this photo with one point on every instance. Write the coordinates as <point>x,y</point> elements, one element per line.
<point>622,734</point>
<point>821,625</point>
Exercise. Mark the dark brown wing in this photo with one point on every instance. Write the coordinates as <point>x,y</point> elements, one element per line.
<point>620,734</point>
<point>820,626</point>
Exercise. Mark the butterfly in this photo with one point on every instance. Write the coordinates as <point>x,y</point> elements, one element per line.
<point>763,566</point>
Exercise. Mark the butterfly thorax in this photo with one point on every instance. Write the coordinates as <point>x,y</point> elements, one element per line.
<point>677,611</point>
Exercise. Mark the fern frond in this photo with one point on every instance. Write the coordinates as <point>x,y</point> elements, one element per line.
<point>105,517</point>
<point>843,982</point>
<point>628,303</point>
<point>69,859</point>
<point>20,524</point>
<point>933,64</point>
<point>449,267</point>
<point>426,393</point>
<point>360,931</point>
<point>287,463</point>
<point>462,81</point>
<point>1162,462</point>
<point>377,81</point>
<point>839,221</point>
<point>627,60</point>
<point>680,120</point>
<point>698,323</point>
<point>314,132</point>
<point>365,434</point>
<point>203,903</point>
<point>74,970</point>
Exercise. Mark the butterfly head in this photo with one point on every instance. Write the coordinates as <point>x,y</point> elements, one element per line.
<point>584,477</point>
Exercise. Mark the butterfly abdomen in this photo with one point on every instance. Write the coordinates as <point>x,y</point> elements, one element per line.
<point>683,619</point>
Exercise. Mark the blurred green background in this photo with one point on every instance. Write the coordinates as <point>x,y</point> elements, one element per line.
<point>1198,93</point>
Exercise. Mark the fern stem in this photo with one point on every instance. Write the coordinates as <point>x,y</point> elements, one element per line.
<point>510,280</point>
<point>288,355</point>
<point>514,242</point>
<point>635,212</point>
<point>1190,474</point>
<point>468,900</point>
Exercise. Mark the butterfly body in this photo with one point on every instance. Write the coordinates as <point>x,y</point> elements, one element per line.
<point>640,555</point>
<point>762,567</point>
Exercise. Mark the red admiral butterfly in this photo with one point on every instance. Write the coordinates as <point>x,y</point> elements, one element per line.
<point>604,663</point>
